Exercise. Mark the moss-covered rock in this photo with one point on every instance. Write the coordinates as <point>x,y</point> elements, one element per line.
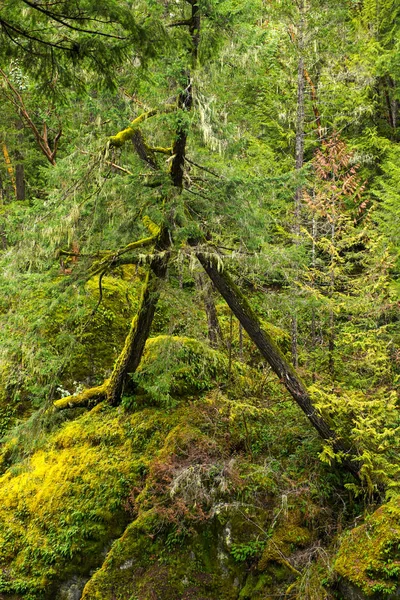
<point>368,560</point>
<point>174,367</point>
<point>183,489</point>
<point>62,506</point>
<point>145,565</point>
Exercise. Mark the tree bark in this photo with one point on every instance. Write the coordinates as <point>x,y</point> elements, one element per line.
<point>299,161</point>
<point>20,181</point>
<point>270,351</point>
<point>130,357</point>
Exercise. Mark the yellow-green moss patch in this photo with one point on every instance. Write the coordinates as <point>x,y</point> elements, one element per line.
<point>369,556</point>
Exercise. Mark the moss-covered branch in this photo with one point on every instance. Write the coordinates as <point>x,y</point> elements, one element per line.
<point>127,134</point>
<point>88,397</point>
<point>123,136</point>
<point>161,149</point>
<point>112,257</point>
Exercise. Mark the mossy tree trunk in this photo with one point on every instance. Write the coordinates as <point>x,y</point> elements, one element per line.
<point>130,357</point>
<point>270,351</point>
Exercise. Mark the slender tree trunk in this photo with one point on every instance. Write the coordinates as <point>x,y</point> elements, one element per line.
<point>294,347</point>
<point>313,312</point>
<point>230,342</point>
<point>214,329</point>
<point>241,342</point>
<point>331,327</point>
<point>20,181</point>
<point>389,88</point>
<point>9,166</point>
<point>270,351</point>
<point>19,168</point>
<point>299,148</point>
<point>3,236</point>
<point>299,161</point>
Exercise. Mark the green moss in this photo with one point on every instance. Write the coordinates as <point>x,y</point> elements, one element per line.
<point>369,555</point>
<point>286,538</point>
<point>141,562</point>
<point>173,367</point>
<point>59,508</point>
<point>179,490</point>
<point>255,586</point>
<point>105,331</point>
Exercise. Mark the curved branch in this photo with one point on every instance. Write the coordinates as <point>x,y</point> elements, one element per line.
<point>57,19</point>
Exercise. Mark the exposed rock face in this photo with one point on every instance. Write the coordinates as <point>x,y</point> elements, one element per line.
<point>349,591</point>
<point>72,589</point>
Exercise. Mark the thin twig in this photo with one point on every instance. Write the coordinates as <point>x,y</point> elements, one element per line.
<point>201,167</point>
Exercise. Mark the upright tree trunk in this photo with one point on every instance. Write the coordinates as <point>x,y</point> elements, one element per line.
<point>331,327</point>
<point>131,355</point>
<point>20,181</point>
<point>214,329</point>
<point>389,87</point>
<point>313,312</point>
<point>19,168</point>
<point>9,166</point>
<point>270,351</point>
<point>299,161</point>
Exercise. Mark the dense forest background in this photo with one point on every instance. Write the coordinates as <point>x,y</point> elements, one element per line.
<point>199,299</point>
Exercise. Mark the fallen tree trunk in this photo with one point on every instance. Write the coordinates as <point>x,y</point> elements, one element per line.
<point>275,358</point>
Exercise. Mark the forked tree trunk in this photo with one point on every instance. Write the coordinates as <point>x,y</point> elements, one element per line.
<point>270,351</point>
<point>131,355</point>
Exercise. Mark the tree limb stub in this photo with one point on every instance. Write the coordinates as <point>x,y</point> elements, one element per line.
<point>271,352</point>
